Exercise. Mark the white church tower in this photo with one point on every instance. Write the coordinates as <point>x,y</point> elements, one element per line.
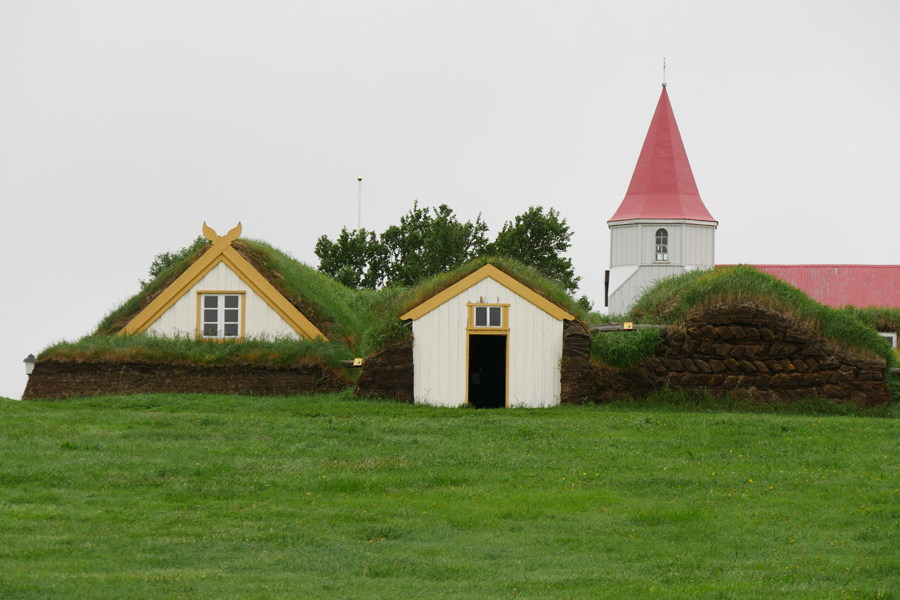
<point>662,227</point>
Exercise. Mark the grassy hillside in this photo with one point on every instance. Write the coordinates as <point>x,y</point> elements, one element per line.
<point>326,497</point>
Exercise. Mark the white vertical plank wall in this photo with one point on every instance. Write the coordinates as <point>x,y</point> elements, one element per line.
<point>633,266</point>
<point>260,319</point>
<point>440,346</point>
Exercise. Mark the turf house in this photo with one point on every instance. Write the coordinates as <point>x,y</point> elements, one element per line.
<point>222,296</point>
<point>490,341</point>
<point>231,316</point>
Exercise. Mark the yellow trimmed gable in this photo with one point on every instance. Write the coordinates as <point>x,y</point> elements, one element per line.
<point>222,252</point>
<point>488,271</point>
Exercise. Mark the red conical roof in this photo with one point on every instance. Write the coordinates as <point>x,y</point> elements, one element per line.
<point>662,186</point>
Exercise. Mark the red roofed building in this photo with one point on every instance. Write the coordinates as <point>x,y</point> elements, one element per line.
<point>840,285</point>
<point>662,228</point>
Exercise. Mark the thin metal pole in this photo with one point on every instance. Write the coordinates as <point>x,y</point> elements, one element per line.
<point>359,204</point>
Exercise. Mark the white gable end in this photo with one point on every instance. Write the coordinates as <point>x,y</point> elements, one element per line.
<point>260,320</point>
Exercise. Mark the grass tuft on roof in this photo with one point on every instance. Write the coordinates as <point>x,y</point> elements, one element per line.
<point>149,348</point>
<point>524,274</point>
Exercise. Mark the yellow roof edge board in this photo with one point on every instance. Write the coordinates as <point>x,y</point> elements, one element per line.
<point>272,296</point>
<point>480,275</point>
<point>221,251</point>
<point>177,288</point>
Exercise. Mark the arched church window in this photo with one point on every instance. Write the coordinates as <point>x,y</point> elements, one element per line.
<point>662,245</point>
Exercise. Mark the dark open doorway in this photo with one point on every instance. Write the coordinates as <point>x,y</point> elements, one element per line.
<point>487,371</point>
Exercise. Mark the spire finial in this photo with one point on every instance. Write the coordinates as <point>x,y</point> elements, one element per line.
<point>664,71</point>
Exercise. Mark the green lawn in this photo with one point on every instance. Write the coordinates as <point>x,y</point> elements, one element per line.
<point>330,497</point>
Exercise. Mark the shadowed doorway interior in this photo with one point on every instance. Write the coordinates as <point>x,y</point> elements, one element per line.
<point>487,371</point>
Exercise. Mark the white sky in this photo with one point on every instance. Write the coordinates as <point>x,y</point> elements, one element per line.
<point>125,125</point>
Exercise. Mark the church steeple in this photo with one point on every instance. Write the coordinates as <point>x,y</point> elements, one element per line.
<point>662,186</point>
<point>661,228</point>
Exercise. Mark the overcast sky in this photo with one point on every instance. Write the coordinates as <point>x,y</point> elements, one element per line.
<point>125,125</point>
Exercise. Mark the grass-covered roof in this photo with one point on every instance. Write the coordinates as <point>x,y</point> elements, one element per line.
<point>677,299</point>
<point>357,322</point>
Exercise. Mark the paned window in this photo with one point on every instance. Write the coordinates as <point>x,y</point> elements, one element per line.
<point>662,245</point>
<point>220,315</point>
<point>488,316</point>
<point>491,318</point>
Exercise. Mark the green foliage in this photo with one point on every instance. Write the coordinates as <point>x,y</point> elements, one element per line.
<point>624,348</point>
<point>676,299</point>
<point>356,258</point>
<point>430,242</point>
<point>585,304</point>
<point>193,496</point>
<point>166,261</point>
<point>425,245</point>
<point>385,326</point>
<point>540,240</point>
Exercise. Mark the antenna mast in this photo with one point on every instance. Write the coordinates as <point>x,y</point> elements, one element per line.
<point>359,203</point>
<point>664,71</point>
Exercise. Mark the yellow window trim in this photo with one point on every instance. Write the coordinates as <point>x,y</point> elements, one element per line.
<point>488,271</point>
<point>243,296</point>
<point>221,251</point>
<point>504,326</point>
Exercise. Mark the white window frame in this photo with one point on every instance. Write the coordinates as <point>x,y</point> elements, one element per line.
<point>890,336</point>
<point>221,314</point>
<point>661,238</point>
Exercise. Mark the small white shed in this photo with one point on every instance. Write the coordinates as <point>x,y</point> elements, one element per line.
<point>487,340</point>
<point>222,296</point>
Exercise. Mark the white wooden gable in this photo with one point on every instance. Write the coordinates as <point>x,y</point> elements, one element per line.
<point>258,319</point>
<point>441,336</point>
<point>265,312</point>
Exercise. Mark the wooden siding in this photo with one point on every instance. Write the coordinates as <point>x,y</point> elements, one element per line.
<point>648,242</point>
<point>260,319</point>
<point>699,246</point>
<point>534,350</point>
<point>623,298</point>
<point>625,245</point>
<point>633,255</point>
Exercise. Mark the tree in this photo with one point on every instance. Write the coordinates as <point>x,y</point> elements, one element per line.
<point>425,244</point>
<point>164,260</point>
<point>539,240</point>
<point>356,258</point>
<point>429,241</point>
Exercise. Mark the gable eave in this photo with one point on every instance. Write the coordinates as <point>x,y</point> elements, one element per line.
<point>485,272</point>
